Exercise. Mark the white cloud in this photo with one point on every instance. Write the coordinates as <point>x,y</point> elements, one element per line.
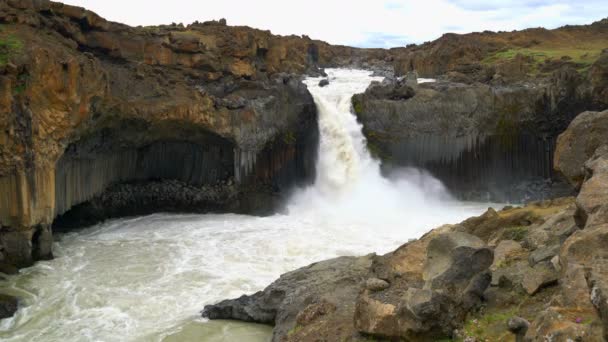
<point>381,23</point>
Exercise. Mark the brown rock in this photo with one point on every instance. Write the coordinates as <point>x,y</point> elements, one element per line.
<point>539,276</point>
<point>578,143</point>
<point>592,200</point>
<point>503,251</point>
<point>375,284</point>
<point>314,311</point>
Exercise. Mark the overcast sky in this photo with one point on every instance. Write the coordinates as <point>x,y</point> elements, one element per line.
<point>369,23</point>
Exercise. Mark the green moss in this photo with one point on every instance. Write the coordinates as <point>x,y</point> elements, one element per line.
<point>485,327</point>
<point>507,127</point>
<point>294,330</point>
<point>19,89</point>
<point>9,46</point>
<point>357,106</point>
<point>289,138</point>
<point>517,233</point>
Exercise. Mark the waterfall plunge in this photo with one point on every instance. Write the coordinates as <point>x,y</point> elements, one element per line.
<point>349,186</point>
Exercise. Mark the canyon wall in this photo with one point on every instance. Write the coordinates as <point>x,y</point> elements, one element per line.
<point>486,141</point>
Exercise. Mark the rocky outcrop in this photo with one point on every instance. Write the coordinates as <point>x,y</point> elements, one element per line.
<point>482,56</point>
<point>576,145</point>
<point>488,127</point>
<point>431,301</point>
<point>302,297</point>
<point>485,142</point>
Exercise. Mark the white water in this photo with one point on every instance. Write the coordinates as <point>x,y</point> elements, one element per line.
<point>146,278</point>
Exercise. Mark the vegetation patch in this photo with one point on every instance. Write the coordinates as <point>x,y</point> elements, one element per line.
<point>357,106</point>
<point>289,138</point>
<point>517,233</point>
<point>294,330</point>
<point>582,55</point>
<point>488,326</point>
<point>10,45</point>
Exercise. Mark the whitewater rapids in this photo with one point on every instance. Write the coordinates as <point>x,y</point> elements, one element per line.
<point>147,278</point>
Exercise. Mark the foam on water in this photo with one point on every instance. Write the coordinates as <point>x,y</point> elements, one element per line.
<point>147,278</point>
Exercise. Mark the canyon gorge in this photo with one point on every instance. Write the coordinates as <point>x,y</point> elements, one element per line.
<point>187,164</point>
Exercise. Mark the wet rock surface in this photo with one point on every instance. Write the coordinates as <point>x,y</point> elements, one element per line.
<point>299,297</point>
<point>8,306</point>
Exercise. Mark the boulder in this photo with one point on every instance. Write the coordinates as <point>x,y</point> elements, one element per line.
<point>321,289</point>
<point>541,275</point>
<point>433,294</point>
<point>503,251</point>
<point>324,82</point>
<point>578,143</point>
<point>8,306</point>
<point>545,253</point>
<point>592,200</point>
<point>453,259</point>
<point>519,327</point>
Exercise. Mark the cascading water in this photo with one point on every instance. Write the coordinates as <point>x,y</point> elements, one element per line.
<point>145,279</point>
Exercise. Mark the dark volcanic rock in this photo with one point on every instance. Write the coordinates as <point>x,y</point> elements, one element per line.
<point>324,82</point>
<point>484,142</point>
<point>8,306</point>
<point>334,281</point>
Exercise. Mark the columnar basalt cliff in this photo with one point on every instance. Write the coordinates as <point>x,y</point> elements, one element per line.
<point>488,127</point>
<point>99,119</point>
<point>533,273</point>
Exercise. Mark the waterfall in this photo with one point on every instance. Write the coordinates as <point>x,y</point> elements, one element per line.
<point>349,182</point>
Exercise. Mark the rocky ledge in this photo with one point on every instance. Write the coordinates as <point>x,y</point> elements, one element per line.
<point>536,273</point>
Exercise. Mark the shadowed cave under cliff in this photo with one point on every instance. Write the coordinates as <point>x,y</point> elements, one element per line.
<point>132,169</point>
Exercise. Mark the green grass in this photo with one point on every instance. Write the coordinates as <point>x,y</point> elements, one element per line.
<point>294,330</point>
<point>487,326</point>
<point>9,46</point>
<point>583,56</point>
<point>19,89</point>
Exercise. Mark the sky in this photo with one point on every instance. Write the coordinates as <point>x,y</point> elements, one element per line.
<point>362,23</point>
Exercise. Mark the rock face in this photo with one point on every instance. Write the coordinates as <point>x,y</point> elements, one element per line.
<point>577,144</point>
<point>99,119</point>
<point>488,127</point>
<point>484,141</point>
<point>430,304</point>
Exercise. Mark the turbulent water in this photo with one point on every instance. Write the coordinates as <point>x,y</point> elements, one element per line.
<point>147,278</point>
